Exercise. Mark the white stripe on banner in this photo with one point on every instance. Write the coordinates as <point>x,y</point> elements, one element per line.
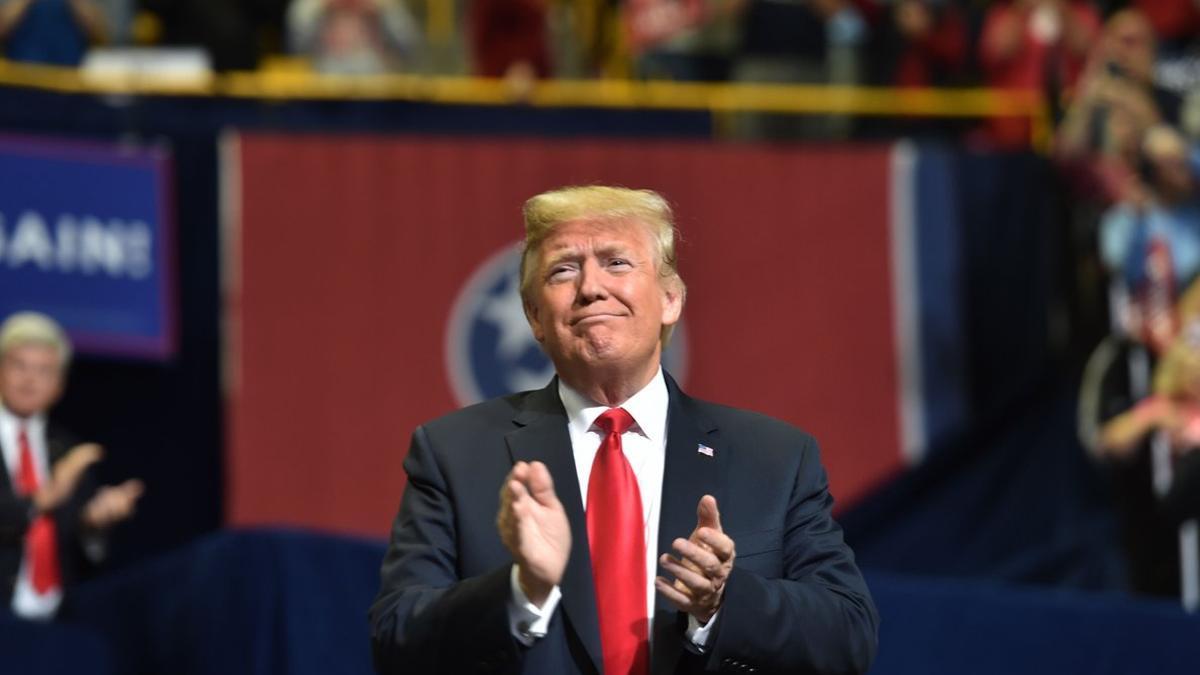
<point>906,303</point>
<point>230,159</point>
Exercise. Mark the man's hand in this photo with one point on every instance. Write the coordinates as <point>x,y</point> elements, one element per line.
<point>65,476</point>
<point>112,504</point>
<point>703,566</point>
<point>533,526</point>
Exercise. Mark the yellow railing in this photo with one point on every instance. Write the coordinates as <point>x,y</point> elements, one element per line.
<point>717,98</point>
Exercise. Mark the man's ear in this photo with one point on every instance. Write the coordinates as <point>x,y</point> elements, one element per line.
<point>673,295</point>
<point>532,314</point>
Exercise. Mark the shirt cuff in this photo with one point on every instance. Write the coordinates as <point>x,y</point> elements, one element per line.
<point>698,634</point>
<point>527,621</point>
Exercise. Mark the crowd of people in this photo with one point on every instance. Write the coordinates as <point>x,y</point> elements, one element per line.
<point>1126,146</point>
<point>1047,45</point>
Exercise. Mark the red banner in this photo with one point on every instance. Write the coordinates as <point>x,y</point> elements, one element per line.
<point>368,294</point>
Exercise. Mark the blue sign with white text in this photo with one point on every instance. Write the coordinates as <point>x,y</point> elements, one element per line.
<point>85,232</point>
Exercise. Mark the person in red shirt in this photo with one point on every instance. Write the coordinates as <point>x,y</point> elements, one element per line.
<point>1038,45</point>
<point>930,43</point>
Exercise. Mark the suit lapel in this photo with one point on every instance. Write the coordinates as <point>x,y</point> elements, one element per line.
<point>688,475</point>
<point>57,444</point>
<point>542,436</point>
<point>6,486</point>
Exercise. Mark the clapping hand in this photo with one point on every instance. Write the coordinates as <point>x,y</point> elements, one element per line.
<point>702,567</point>
<point>65,475</point>
<point>112,503</point>
<point>533,526</point>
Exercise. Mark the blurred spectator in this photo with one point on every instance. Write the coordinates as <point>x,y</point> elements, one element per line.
<point>697,46</point>
<point>353,36</point>
<point>1149,509</point>
<point>800,41</point>
<point>922,43</point>
<point>1156,492</point>
<point>52,516</point>
<point>509,38</point>
<point>1152,238</point>
<point>235,33</point>
<point>55,32</point>
<point>1037,45</point>
<point>1177,396</point>
<point>1115,102</point>
<point>1173,407</point>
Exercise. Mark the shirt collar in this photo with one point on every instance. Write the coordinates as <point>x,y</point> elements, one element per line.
<point>33,423</point>
<point>648,407</point>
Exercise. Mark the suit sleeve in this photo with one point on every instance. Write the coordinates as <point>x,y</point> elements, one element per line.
<point>819,617</point>
<point>16,512</point>
<point>426,619</point>
<point>74,537</point>
<point>14,518</point>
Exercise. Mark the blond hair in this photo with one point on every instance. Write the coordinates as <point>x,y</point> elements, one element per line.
<point>548,210</point>
<point>34,328</point>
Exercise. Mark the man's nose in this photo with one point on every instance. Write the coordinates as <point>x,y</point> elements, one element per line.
<point>591,283</point>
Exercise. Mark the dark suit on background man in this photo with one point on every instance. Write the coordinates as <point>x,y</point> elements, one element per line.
<point>750,570</point>
<point>15,514</point>
<point>62,496</point>
<point>795,600</point>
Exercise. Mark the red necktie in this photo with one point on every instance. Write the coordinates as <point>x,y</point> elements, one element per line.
<point>41,546</point>
<point>617,537</point>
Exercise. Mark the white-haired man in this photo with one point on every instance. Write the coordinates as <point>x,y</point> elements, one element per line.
<point>608,475</point>
<point>52,516</point>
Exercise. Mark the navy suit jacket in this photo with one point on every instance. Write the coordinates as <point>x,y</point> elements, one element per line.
<point>14,521</point>
<point>794,602</point>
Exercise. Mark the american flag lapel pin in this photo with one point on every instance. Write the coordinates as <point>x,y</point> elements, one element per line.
<point>704,450</point>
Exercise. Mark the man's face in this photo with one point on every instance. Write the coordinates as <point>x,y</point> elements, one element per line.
<point>1131,47</point>
<point>30,379</point>
<point>595,301</point>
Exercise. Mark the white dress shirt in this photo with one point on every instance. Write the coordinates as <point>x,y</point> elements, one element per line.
<point>27,602</point>
<point>645,447</point>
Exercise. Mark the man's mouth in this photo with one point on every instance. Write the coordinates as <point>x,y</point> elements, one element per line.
<point>593,318</point>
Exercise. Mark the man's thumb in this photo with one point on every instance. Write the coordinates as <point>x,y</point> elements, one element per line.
<point>707,514</point>
<point>541,485</point>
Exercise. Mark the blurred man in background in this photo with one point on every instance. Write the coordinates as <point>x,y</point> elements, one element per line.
<point>52,516</point>
<point>353,37</point>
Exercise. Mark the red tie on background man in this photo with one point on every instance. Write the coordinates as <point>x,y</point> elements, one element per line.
<point>41,546</point>
<point>617,537</point>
